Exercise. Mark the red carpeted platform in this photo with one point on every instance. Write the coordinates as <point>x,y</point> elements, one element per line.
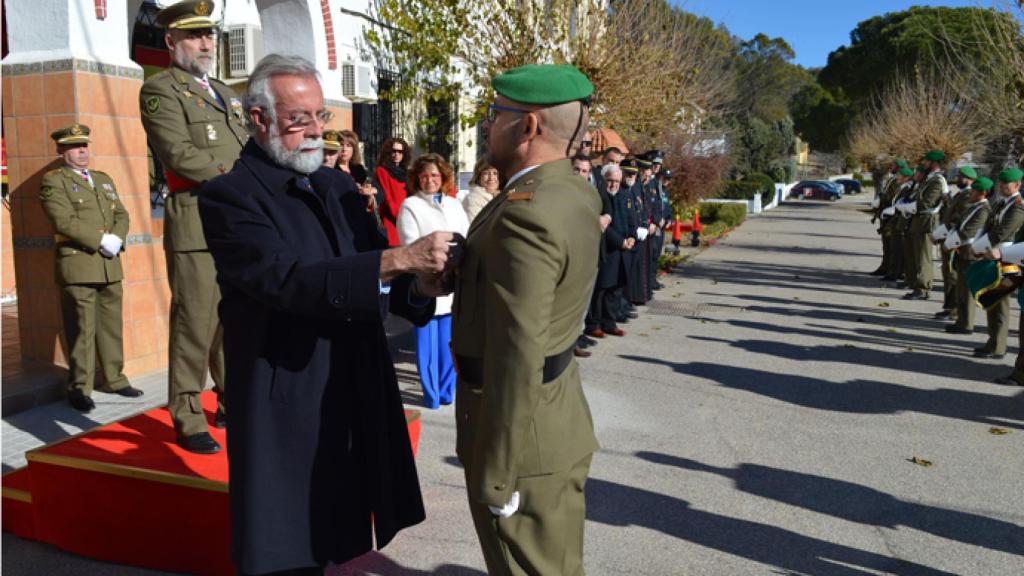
<point>126,493</point>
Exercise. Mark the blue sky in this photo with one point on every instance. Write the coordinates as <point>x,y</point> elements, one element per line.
<point>812,27</point>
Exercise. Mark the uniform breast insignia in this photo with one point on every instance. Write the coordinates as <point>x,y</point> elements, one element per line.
<point>46,192</point>
<point>111,196</point>
<point>236,107</point>
<point>152,105</point>
<point>186,93</point>
<point>518,196</point>
<point>211,133</point>
<point>200,102</point>
<point>107,186</point>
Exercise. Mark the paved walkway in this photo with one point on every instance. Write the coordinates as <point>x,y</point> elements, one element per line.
<point>759,418</point>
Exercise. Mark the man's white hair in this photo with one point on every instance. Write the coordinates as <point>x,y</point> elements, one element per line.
<point>259,95</point>
<point>609,168</point>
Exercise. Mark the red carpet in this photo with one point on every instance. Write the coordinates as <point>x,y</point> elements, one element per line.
<point>126,493</point>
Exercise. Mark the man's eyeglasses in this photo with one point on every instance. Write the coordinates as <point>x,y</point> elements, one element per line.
<point>493,109</point>
<point>299,121</point>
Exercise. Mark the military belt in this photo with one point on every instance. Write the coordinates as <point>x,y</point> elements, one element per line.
<point>471,369</point>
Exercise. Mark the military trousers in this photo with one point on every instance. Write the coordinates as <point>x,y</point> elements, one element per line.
<point>1018,365</point>
<point>195,344</point>
<point>949,281</point>
<point>93,325</point>
<point>545,536</point>
<point>893,239</point>
<point>965,304</point>
<point>907,247</point>
<point>886,251</point>
<point>998,326</point>
<point>922,252</point>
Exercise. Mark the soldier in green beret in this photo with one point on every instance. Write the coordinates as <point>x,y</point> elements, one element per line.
<point>964,229</point>
<point>1003,226</point>
<point>952,209</point>
<point>893,224</point>
<point>525,436</point>
<point>929,202</point>
<point>91,227</point>
<point>884,199</point>
<point>194,126</point>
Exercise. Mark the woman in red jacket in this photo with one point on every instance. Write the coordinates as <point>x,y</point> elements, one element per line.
<point>391,176</point>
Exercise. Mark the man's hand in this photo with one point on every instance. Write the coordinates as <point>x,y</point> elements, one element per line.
<point>434,285</point>
<point>110,245</point>
<point>604,220</point>
<point>993,254</point>
<point>628,243</point>
<point>508,509</point>
<point>428,255</point>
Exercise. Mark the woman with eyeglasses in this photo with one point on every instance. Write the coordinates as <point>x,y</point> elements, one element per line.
<point>391,177</point>
<point>483,187</point>
<point>429,209</point>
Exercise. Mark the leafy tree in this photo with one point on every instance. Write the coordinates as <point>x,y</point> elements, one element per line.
<point>820,117</point>
<point>767,78</point>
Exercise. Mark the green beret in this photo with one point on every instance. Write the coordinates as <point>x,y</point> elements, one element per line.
<point>1011,175</point>
<point>922,169</point>
<point>543,84</point>
<point>906,172</point>
<point>968,172</point>
<point>935,156</point>
<point>74,134</point>
<point>902,163</point>
<point>983,184</point>
<point>188,15</point>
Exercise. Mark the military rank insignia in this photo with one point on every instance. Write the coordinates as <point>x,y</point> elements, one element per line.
<point>46,192</point>
<point>152,105</point>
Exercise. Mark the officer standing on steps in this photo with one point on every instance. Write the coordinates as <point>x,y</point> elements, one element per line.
<point>525,435</point>
<point>91,227</point>
<point>194,125</point>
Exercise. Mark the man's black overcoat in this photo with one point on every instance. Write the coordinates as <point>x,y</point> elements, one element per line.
<point>317,440</point>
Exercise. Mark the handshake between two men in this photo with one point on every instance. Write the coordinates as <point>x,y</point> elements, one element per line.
<point>434,259</point>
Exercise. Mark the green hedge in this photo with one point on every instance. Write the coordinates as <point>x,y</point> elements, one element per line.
<point>729,214</point>
<point>749,187</point>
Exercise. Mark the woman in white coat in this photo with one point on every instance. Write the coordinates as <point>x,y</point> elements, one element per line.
<point>428,209</point>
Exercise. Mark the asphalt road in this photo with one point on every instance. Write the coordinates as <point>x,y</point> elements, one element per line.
<point>760,417</point>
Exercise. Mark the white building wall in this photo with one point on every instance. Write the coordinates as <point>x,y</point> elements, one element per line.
<point>47,30</point>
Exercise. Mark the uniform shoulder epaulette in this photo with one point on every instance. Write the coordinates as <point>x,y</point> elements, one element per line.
<point>514,196</point>
<point>54,172</point>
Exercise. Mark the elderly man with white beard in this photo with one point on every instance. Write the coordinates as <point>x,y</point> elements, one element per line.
<point>320,461</point>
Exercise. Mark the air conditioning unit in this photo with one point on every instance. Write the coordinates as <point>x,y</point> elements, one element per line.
<point>358,82</point>
<point>245,48</point>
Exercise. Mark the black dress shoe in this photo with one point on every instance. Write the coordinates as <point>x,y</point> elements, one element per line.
<point>954,329</point>
<point>82,403</point>
<point>220,419</point>
<point>201,443</point>
<point>585,340</point>
<point>943,314</point>
<point>128,392</point>
<point>915,295</point>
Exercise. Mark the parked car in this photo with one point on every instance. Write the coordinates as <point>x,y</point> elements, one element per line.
<point>850,186</point>
<point>822,189</point>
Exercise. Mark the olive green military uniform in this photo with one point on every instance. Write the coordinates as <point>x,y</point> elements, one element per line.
<point>90,283</point>
<point>885,200</point>
<point>1005,222</point>
<point>910,194</point>
<point>196,135</point>
<point>929,202</point>
<point>967,226</point>
<point>950,215</point>
<point>521,295</point>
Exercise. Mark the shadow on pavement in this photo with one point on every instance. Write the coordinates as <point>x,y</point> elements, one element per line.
<point>620,505</point>
<point>857,503</point>
<point>857,396</point>
<point>380,565</point>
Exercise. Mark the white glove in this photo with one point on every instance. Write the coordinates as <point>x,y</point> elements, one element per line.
<point>981,245</point>
<point>940,232</point>
<point>641,234</point>
<point>508,509</point>
<point>875,203</point>
<point>1013,254</point>
<point>890,211</point>
<point>110,245</point>
<point>953,241</point>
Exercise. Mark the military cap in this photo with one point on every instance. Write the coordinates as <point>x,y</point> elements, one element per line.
<point>332,140</point>
<point>187,15</point>
<point>906,172</point>
<point>629,165</point>
<point>967,172</point>
<point>1010,175</point>
<point>655,156</point>
<point>543,84</point>
<point>983,184</point>
<point>74,134</point>
<point>902,163</point>
<point>643,162</point>
<point>935,156</point>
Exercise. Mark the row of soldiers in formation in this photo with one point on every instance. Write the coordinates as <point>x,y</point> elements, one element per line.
<point>973,224</point>
<point>635,211</point>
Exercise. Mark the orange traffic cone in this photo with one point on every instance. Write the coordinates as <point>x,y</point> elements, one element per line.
<point>697,227</point>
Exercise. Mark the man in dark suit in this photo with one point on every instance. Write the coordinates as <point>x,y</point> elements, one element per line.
<point>319,457</point>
